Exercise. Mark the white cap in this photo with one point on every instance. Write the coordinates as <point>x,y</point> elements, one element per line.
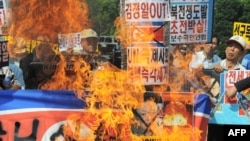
<point>239,40</point>
<point>86,33</point>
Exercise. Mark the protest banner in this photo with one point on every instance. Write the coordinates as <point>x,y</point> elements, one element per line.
<point>229,111</point>
<point>242,29</point>
<point>191,21</point>
<point>4,54</point>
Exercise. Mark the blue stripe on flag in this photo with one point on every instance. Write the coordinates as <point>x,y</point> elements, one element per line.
<point>11,99</point>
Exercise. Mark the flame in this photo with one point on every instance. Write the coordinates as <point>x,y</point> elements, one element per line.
<point>44,20</point>
<point>110,93</point>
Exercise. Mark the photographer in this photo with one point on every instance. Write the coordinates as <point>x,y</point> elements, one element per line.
<point>8,78</point>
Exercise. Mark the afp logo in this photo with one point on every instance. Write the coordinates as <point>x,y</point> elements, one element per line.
<point>241,132</point>
<point>237,132</point>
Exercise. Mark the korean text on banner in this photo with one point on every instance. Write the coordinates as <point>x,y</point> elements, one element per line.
<point>242,29</point>
<point>147,10</point>
<point>191,21</point>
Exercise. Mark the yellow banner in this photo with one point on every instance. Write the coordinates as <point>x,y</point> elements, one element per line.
<point>242,29</point>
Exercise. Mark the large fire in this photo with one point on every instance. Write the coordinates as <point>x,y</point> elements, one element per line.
<point>110,93</point>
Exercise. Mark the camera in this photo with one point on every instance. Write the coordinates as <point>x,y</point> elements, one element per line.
<point>6,78</point>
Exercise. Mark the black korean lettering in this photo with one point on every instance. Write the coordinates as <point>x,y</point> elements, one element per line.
<point>185,37</point>
<point>179,37</point>
<point>189,11</point>
<point>203,11</point>
<point>161,56</point>
<point>2,131</point>
<point>203,37</point>
<point>242,30</point>
<point>181,12</point>
<point>4,55</point>
<point>196,12</point>
<point>247,35</point>
<point>32,136</point>
<point>174,11</point>
<point>173,38</point>
<point>237,29</point>
<point>154,55</point>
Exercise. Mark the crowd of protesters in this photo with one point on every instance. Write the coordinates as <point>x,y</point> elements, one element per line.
<point>189,60</point>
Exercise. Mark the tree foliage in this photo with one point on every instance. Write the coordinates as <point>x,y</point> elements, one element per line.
<point>103,14</point>
<point>226,12</point>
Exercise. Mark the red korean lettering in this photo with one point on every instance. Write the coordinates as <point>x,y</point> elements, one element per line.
<point>145,10</point>
<point>160,75</point>
<point>190,24</point>
<point>240,75</point>
<point>183,26</point>
<point>232,77</point>
<point>153,75</point>
<point>174,27</point>
<point>136,10</point>
<point>128,11</point>
<point>247,73</point>
<point>145,73</point>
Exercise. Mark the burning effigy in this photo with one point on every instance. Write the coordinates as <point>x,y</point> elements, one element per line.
<point>119,105</point>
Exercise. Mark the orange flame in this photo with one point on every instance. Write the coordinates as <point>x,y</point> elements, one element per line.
<point>32,19</point>
<point>109,88</point>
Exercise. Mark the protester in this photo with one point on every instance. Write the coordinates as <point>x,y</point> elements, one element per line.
<point>18,75</point>
<point>205,59</point>
<point>89,42</point>
<point>11,78</point>
<point>38,66</point>
<point>215,44</point>
<point>234,49</point>
<point>246,60</point>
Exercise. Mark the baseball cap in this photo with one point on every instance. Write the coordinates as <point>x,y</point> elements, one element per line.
<point>86,33</point>
<point>237,39</point>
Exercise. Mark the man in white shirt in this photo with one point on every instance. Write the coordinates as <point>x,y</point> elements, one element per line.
<point>205,59</point>
<point>234,50</point>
